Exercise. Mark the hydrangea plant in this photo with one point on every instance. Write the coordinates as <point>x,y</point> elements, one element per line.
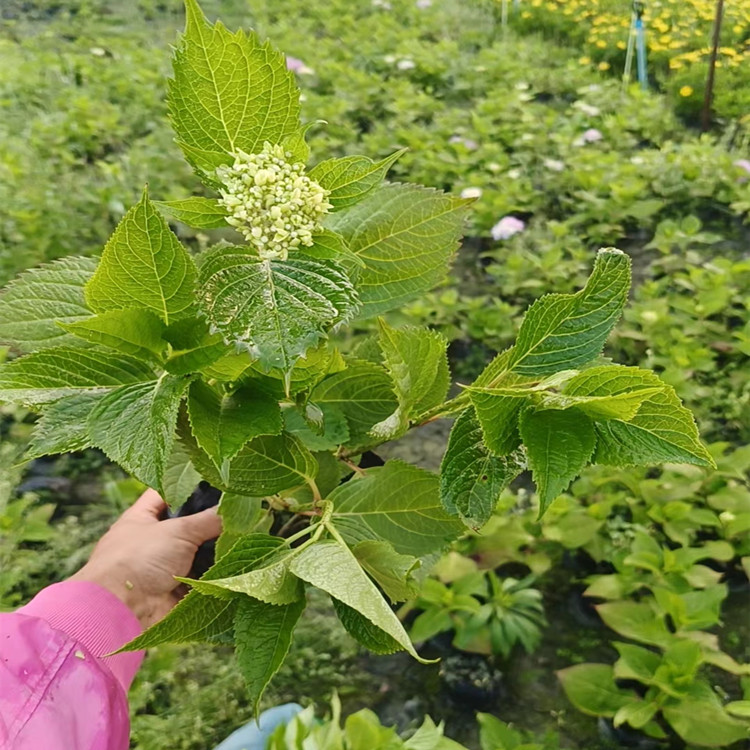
<point>227,367</point>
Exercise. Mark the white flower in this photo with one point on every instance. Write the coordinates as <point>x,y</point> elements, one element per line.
<point>554,165</point>
<point>389,59</point>
<point>422,4</point>
<point>588,109</point>
<point>271,201</point>
<point>507,227</point>
<point>406,64</point>
<point>514,174</point>
<point>471,192</point>
<point>592,135</point>
<point>384,4</point>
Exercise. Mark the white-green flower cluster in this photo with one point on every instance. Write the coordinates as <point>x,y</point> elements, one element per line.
<point>271,201</point>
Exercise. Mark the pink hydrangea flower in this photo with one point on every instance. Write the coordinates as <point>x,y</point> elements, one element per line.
<point>468,143</point>
<point>297,66</point>
<point>745,165</point>
<point>507,227</point>
<point>592,135</point>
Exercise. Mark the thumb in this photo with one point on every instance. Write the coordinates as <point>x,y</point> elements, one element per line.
<point>200,527</point>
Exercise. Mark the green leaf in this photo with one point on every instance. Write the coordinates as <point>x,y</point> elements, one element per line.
<point>263,635</point>
<point>63,427</point>
<point>364,632</point>
<point>180,477</point>
<point>277,310</point>
<point>705,722</point>
<point>204,618</point>
<point>392,571</point>
<point>240,515</point>
<point>328,245</point>
<point>135,424</point>
<point>559,444</point>
<point>396,503</point>
<point>198,212</point>
<point>335,428</point>
<point>32,304</point>
<point>143,266</point>
<point>363,393</point>
<point>498,416</point>
<point>350,178</point>
<point>738,708</point>
<point>271,581</point>
<point>418,365</point>
<point>331,567</point>
<point>406,235</point>
<point>471,478</point>
<point>637,715</point>
<point>224,423</point>
<point>53,374</point>
<point>591,688</point>
<point>271,463</point>
<point>635,620</point>
<point>565,331</point>
<point>663,430</point>
<point>195,348</point>
<point>610,391</point>
<point>229,93</point>
<point>636,663</point>
<point>134,332</point>
<point>497,735</point>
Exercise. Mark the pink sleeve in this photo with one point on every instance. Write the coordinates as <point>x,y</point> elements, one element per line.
<point>57,687</point>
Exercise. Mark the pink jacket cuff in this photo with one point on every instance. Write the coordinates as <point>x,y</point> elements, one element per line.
<point>95,618</point>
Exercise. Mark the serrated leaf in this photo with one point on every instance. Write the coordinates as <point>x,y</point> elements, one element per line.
<point>328,245</point>
<point>270,464</point>
<point>63,427</point>
<point>135,424</point>
<point>134,332</point>
<point>270,581</point>
<point>498,416</point>
<point>53,374</point>
<point>397,503</point>
<point>363,393</point>
<point>662,430</point>
<point>363,631</point>
<point>240,515</point>
<point>471,478</point>
<point>559,444</point>
<point>331,567</point>
<point>262,636</point>
<point>350,178</point>
<point>335,428</point>
<point>180,477</point>
<point>392,571</point>
<point>296,144</point>
<point>203,618</point>
<point>196,211</point>
<point>277,310</point>
<point>229,93</point>
<point>406,235</point>
<point>143,266</point>
<point>417,362</point>
<point>32,304</point>
<point>565,331</point>
<point>195,348</point>
<point>224,423</point>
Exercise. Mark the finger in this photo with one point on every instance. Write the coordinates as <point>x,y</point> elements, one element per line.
<point>200,527</point>
<point>148,505</point>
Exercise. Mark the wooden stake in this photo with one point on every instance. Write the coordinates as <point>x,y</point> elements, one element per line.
<point>708,100</point>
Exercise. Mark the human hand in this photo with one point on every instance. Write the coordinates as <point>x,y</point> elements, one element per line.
<point>138,558</point>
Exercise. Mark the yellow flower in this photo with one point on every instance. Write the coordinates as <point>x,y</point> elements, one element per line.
<point>585,61</point>
<point>621,45</point>
<point>686,91</point>
<point>603,66</point>
<point>601,44</point>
